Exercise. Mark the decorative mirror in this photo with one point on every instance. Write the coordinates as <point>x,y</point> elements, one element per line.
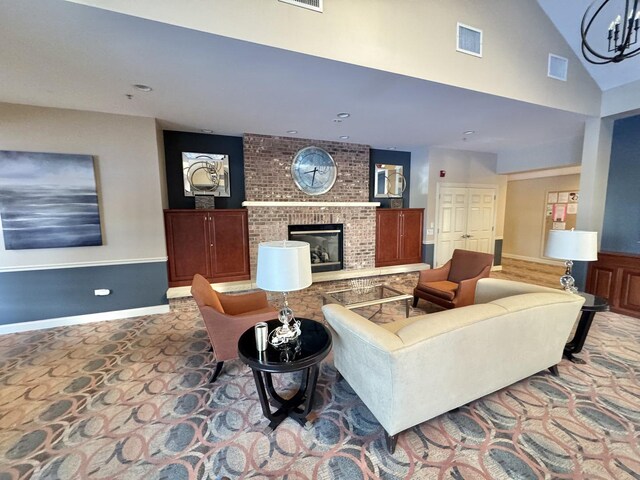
<point>205,174</point>
<point>389,181</point>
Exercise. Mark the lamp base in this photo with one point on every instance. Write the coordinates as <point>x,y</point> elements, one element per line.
<point>290,329</point>
<point>567,281</point>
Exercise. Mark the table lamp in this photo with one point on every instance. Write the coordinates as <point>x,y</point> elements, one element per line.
<point>571,245</point>
<point>284,266</point>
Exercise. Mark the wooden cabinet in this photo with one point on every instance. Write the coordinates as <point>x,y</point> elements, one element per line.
<point>398,236</point>
<point>616,277</point>
<point>213,243</point>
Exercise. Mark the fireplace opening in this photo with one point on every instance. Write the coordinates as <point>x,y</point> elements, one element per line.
<point>325,242</point>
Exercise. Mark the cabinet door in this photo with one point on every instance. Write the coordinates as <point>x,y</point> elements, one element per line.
<point>411,236</point>
<point>230,245</point>
<point>387,237</point>
<point>187,245</point>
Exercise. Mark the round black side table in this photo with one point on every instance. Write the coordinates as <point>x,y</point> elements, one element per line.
<point>591,306</point>
<point>306,353</point>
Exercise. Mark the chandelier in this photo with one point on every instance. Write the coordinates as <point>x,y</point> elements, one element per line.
<point>621,36</point>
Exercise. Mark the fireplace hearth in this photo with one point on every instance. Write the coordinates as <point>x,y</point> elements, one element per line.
<point>326,244</point>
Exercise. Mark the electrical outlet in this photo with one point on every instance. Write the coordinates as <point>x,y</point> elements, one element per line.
<point>429,231</point>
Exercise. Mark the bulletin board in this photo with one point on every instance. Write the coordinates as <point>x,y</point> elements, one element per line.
<point>560,212</point>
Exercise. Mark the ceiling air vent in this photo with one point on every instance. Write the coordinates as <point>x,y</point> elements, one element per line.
<point>315,5</point>
<point>557,67</point>
<point>469,40</point>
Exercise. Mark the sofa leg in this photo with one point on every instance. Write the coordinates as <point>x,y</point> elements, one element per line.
<point>554,370</point>
<point>338,376</point>
<point>391,441</point>
<point>415,301</point>
<point>216,372</point>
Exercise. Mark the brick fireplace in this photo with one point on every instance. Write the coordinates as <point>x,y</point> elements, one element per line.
<point>268,179</point>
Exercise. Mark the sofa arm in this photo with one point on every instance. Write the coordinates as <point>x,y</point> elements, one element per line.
<point>465,294</point>
<point>435,274</point>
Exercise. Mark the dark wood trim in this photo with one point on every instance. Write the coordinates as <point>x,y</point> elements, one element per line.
<point>616,277</point>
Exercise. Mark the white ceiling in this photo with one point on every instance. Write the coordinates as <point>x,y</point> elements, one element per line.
<point>567,17</point>
<point>61,54</point>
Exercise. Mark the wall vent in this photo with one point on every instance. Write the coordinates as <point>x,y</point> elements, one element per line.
<point>557,67</point>
<point>469,40</point>
<point>315,5</point>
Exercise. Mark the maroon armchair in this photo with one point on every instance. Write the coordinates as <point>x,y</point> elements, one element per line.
<point>454,284</point>
<point>226,317</point>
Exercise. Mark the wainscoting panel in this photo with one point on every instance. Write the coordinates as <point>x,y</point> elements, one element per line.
<point>616,277</point>
<point>44,294</point>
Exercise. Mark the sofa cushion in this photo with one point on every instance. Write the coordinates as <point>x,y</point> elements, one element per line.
<point>526,301</point>
<point>393,327</point>
<point>438,323</point>
<point>444,289</point>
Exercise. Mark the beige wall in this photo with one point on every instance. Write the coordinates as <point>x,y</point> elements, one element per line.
<point>463,167</point>
<point>125,149</point>
<point>410,37</point>
<point>524,214</point>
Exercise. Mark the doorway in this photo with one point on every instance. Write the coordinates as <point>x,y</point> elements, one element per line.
<point>466,218</point>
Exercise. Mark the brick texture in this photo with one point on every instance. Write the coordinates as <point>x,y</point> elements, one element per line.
<point>267,169</point>
<point>268,178</point>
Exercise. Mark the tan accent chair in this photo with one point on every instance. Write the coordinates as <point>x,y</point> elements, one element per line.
<point>454,284</point>
<point>226,317</point>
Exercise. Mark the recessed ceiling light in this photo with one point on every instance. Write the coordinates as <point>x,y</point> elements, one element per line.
<point>392,148</point>
<point>343,115</point>
<point>469,132</point>
<point>292,132</point>
<point>142,88</point>
<point>206,130</point>
<point>344,137</point>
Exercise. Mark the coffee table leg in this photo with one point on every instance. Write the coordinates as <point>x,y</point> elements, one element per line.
<point>274,418</point>
<point>406,308</point>
<point>309,387</point>
<point>582,330</point>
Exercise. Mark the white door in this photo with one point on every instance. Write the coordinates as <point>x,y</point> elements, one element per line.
<point>466,218</point>
<point>480,219</point>
<point>452,223</point>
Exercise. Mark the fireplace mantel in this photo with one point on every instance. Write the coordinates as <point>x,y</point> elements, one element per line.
<point>308,204</point>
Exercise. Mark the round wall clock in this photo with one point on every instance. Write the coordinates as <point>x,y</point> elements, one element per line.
<point>313,171</point>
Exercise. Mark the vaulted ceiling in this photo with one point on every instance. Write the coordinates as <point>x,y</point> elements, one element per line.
<point>60,54</point>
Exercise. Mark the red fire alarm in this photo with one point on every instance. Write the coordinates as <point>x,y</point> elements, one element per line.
<point>443,173</point>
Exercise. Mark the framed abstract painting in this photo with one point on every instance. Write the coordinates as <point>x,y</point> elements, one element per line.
<point>48,200</point>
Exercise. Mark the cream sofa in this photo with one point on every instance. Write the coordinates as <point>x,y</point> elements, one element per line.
<point>417,368</point>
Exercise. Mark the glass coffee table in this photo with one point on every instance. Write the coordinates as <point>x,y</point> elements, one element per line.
<point>365,297</point>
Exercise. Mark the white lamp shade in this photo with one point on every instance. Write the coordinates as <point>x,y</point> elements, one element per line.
<point>572,245</point>
<point>283,266</point>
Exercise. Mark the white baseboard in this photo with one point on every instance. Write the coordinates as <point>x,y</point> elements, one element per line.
<point>555,263</point>
<point>81,319</point>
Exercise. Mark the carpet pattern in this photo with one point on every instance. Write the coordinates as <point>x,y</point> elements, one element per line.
<point>130,399</point>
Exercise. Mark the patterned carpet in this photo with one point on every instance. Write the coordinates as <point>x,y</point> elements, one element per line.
<point>130,399</point>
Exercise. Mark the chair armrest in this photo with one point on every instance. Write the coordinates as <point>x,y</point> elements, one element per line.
<point>225,330</point>
<point>466,292</point>
<point>239,304</point>
<point>435,274</point>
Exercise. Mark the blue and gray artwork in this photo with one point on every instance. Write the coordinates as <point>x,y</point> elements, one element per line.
<point>48,200</point>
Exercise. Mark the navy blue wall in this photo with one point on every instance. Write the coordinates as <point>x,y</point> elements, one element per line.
<point>391,157</point>
<point>43,294</point>
<point>621,229</point>
<point>177,142</point>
